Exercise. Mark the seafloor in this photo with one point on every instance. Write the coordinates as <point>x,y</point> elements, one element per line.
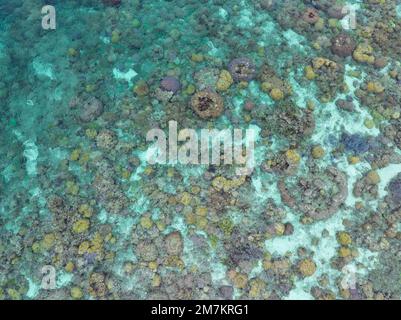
<point>319,216</point>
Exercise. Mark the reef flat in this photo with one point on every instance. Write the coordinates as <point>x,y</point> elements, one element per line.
<point>85,214</point>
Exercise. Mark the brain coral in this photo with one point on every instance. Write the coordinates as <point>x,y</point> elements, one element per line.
<point>207,104</point>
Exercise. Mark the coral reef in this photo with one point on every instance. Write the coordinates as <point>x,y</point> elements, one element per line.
<point>207,104</point>
<point>242,69</point>
<point>315,94</point>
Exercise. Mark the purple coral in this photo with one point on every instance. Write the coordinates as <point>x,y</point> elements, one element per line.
<point>170,84</point>
<point>355,143</point>
<point>242,69</point>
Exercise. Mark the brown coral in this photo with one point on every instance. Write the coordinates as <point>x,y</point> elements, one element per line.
<point>343,45</point>
<point>311,15</point>
<point>173,243</point>
<point>207,104</point>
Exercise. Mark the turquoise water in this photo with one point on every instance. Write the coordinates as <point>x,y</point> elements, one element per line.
<point>84,214</point>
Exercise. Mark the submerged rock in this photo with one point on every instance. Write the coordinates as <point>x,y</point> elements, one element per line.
<point>343,45</point>
<point>242,69</point>
<point>394,192</point>
<point>91,110</point>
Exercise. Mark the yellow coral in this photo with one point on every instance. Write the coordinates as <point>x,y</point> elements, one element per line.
<point>374,87</point>
<point>197,57</point>
<point>266,87</point>
<point>307,267</point>
<point>48,240</point>
<point>318,152</point>
<point>353,160</point>
<point>146,222</point>
<point>76,293</point>
<point>364,54</point>
<point>293,156</point>
<point>243,84</point>
<point>320,62</point>
<point>333,23</point>
<point>319,25</point>
<point>276,94</point>
<point>279,228</point>
<point>69,267</point>
<point>14,294</point>
<point>344,252</point>
<point>152,265</point>
<point>156,280</point>
<point>86,210</point>
<point>75,154</point>
<point>186,198</point>
<point>72,188</point>
<point>201,222</point>
<point>267,264</point>
<point>91,133</point>
<point>170,172</point>
<point>195,189</point>
<point>221,183</point>
<point>148,171</point>
<point>344,238</point>
<point>190,90</point>
<point>310,73</point>
<point>97,242</point>
<point>72,52</point>
<point>84,158</point>
<point>161,225</point>
<point>225,81</point>
<point>257,286</point>
<point>175,262</point>
<point>115,36</point>
<point>240,281</point>
<point>369,123</point>
<point>90,88</point>
<point>83,247</point>
<point>373,177</point>
<point>81,226</point>
<point>201,211</point>
<point>36,247</point>
<point>190,218</point>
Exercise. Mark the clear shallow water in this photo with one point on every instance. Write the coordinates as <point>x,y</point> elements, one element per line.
<point>80,198</point>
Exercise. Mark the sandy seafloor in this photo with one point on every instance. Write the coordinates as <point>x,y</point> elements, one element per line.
<point>105,51</point>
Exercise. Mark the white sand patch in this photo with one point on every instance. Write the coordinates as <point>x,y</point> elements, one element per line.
<point>262,98</point>
<point>349,22</point>
<point>302,94</point>
<point>294,39</point>
<point>33,290</point>
<point>214,51</point>
<point>127,76</point>
<point>223,13</point>
<point>323,252</point>
<point>386,175</point>
<point>43,69</point>
<point>63,279</point>
<point>246,19</point>
<point>31,154</point>
<point>143,157</point>
<point>105,40</point>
